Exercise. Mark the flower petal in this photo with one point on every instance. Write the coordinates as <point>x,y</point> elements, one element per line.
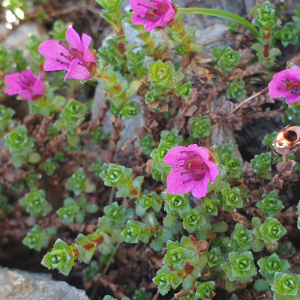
<point>73,39</point>
<point>53,65</point>
<point>9,91</point>
<point>292,98</point>
<point>53,49</point>
<point>199,189</point>
<point>141,6</point>
<point>213,171</point>
<point>175,185</point>
<point>26,95</point>
<point>78,71</point>
<point>39,87</point>
<point>140,20</point>
<point>294,74</point>
<point>202,151</point>
<point>174,154</point>
<point>275,85</point>
<point>88,55</point>
<point>28,75</point>
<point>12,81</point>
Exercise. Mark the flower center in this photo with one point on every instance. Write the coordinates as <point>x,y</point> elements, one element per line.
<point>194,168</point>
<point>73,54</point>
<point>293,87</point>
<point>155,11</point>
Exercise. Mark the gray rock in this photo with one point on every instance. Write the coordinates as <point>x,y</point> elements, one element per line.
<point>130,125</point>
<point>19,38</point>
<point>21,285</point>
<point>223,135</point>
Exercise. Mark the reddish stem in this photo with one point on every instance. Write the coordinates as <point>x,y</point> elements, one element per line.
<point>266,50</point>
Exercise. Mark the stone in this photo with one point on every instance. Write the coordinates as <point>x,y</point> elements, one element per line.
<point>18,39</point>
<point>21,285</point>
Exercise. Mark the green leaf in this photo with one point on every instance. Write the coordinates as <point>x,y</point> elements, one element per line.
<point>261,285</point>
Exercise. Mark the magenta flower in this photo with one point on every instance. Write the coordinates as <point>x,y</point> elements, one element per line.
<point>79,62</point>
<point>192,167</point>
<point>286,84</point>
<point>25,84</point>
<point>158,13</point>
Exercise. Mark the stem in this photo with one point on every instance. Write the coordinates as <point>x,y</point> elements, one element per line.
<point>111,196</point>
<point>221,14</point>
<point>250,98</point>
<point>95,289</point>
<point>110,259</point>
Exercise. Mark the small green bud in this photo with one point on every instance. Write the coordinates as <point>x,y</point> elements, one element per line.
<point>266,19</point>
<point>270,204</point>
<point>176,203</point>
<point>59,156</point>
<point>270,231</point>
<point>165,279</point>
<point>231,199</point>
<point>204,289</point>
<point>6,122</point>
<point>200,127</point>
<point>60,258</point>
<point>151,97</point>
<point>32,177</point>
<point>130,110</point>
<point>286,286</point>
<point>147,143</point>
<point>98,135</point>
<point>288,35</point>
<point>133,231</point>
<point>59,31</point>
<point>70,212</point>
<point>271,265</point>
<point>19,145</point>
<point>192,220</point>
<point>35,203</point>
<point>97,167</point>
<point>235,90</point>
<point>214,257</point>
<point>170,137</point>
<point>78,183</point>
<point>241,238</point>
<point>176,255</point>
<point>49,166</point>
<point>5,207</point>
<point>240,266</point>
<point>37,238</point>
<point>261,165</point>
<point>73,115</point>
<point>185,90</point>
<point>159,72</point>
<point>269,139</point>
<point>226,59</point>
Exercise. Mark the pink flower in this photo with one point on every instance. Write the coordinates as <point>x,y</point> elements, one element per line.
<point>286,84</point>
<point>25,84</point>
<point>192,167</point>
<point>158,13</point>
<point>79,62</point>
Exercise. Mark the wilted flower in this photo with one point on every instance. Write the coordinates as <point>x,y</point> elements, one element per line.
<point>286,84</point>
<point>25,84</point>
<point>192,167</point>
<point>79,61</point>
<point>158,13</point>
